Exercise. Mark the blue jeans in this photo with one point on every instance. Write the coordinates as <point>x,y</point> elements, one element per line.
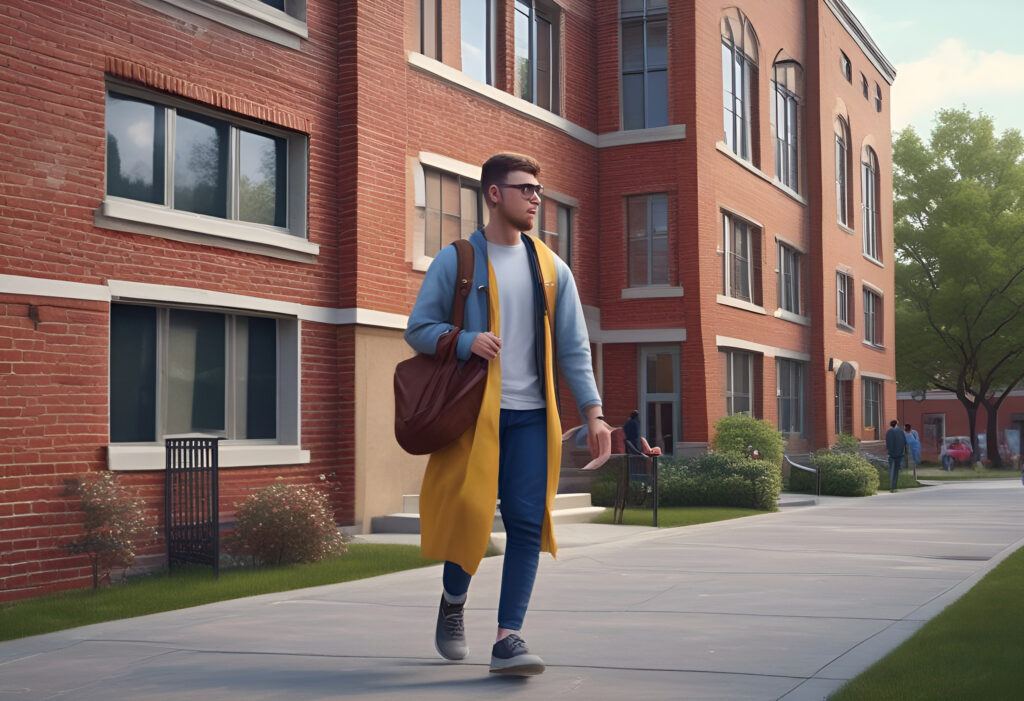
<point>894,470</point>
<point>522,489</point>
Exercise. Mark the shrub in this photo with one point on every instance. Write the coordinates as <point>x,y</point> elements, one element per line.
<point>740,433</point>
<point>714,479</point>
<point>285,523</point>
<point>114,520</point>
<point>842,474</point>
<point>845,443</point>
<point>906,478</point>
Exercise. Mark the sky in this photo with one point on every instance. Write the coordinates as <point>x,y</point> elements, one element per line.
<point>950,53</point>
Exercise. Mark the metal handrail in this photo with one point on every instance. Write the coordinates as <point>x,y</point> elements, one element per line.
<point>806,468</point>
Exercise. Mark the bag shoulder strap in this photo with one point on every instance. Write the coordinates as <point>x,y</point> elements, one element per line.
<point>463,281</point>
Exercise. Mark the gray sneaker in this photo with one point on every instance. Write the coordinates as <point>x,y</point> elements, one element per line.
<point>450,635</point>
<point>511,656</point>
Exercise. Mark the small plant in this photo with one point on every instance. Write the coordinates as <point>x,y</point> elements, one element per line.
<point>741,434</point>
<point>114,521</point>
<point>285,523</point>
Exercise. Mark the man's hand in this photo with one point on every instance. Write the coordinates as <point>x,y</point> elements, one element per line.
<point>486,345</point>
<point>599,434</point>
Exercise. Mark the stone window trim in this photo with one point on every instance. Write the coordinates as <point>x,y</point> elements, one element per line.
<point>251,17</point>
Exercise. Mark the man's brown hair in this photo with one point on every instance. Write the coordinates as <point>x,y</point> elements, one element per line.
<point>498,166</point>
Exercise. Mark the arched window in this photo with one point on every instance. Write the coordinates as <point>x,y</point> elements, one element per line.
<point>843,198</point>
<point>869,204</point>
<point>739,83</point>
<point>787,79</point>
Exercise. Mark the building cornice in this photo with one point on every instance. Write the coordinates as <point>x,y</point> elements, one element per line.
<point>856,30</point>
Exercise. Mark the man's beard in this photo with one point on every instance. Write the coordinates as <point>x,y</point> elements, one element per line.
<point>522,223</point>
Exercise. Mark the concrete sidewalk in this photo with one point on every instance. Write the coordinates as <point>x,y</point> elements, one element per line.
<point>785,605</point>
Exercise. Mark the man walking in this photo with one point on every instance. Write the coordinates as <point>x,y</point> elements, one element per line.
<point>522,311</point>
<point>895,445</point>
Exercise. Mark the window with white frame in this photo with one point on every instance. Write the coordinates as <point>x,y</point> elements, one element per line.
<point>647,224</point>
<point>789,278</point>
<point>786,109</point>
<point>739,382</point>
<point>430,28</point>
<point>872,317</point>
<point>869,205</point>
<point>790,376</point>
<point>842,163</point>
<point>452,208</point>
<point>556,229</point>
<point>845,67</point>
<point>194,160</point>
<point>644,64</point>
<point>739,83</point>
<point>878,98</point>
<point>181,370</point>
<point>478,37</point>
<point>844,299</point>
<point>872,409</point>
<point>538,53</point>
<point>740,247</point>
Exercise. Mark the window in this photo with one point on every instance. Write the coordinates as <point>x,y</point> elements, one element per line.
<point>537,53</point>
<point>182,370</point>
<point>430,28</point>
<point>844,406</point>
<point>739,83</point>
<point>872,318</point>
<point>478,39</point>
<point>221,169</point>
<point>872,409</point>
<point>788,75</point>
<point>789,279</point>
<point>556,230</point>
<point>844,299</point>
<point>790,375</point>
<point>878,98</point>
<point>843,197</point>
<point>739,382</point>
<point>864,85</point>
<point>869,205</point>
<point>453,208</point>
<point>644,64</point>
<point>647,223</point>
<point>659,396</point>
<point>742,249</point>
<point>846,67</point>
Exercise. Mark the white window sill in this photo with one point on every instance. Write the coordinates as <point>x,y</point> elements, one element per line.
<point>874,346</point>
<point>845,229</point>
<point>422,263</point>
<point>249,16</point>
<point>652,292</point>
<point>151,457</point>
<point>628,137</point>
<point>724,149</point>
<point>844,327</point>
<point>877,262</point>
<point>740,304</point>
<point>787,315</point>
<point>155,220</point>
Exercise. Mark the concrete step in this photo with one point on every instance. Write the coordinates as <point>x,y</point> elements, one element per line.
<point>569,508</point>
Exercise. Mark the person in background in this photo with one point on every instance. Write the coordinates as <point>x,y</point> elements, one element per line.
<point>913,446</point>
<point>895,446</point>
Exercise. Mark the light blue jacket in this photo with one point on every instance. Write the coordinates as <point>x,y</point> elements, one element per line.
<point>429,318</point>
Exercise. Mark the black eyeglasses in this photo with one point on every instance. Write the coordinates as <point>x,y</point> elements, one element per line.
<point>527,190</point>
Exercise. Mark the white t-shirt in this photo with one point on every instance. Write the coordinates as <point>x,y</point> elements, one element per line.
<point>521,388</point>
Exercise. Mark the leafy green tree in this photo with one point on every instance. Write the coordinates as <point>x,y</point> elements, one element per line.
<point>959,226</point>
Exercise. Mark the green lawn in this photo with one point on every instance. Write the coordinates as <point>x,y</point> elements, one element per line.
<point>675,516</point>
<point>192,587</point>
<point>972,650</point>
<point>965,473</point>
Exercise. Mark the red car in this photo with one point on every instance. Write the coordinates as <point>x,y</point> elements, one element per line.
<point>958,448</point>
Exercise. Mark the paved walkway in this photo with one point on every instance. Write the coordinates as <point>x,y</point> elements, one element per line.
<point>785,605</point>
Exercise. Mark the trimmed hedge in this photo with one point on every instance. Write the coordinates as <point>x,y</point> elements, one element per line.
<point>714,479</point>
<point>737,433</point>
<point>842,475</point>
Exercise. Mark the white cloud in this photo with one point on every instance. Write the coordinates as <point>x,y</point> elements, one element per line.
<point>953,75</point>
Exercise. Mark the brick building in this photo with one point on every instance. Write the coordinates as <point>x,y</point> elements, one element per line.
<point>216,215</point>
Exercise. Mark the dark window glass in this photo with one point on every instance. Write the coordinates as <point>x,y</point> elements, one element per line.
<point>132,373</point>
<point>262,178</point>
<point>201,165</point>
<point>135,149</point>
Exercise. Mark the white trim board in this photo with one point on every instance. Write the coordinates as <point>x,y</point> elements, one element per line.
<point>766,351</point>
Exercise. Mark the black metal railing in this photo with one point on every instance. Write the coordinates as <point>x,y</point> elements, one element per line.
<point>191,515</point>
<point>806,468</point>
<point>649,486</point>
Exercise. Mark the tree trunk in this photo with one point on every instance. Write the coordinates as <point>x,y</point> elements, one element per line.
<point>992,433</point>
<point>972,424</point>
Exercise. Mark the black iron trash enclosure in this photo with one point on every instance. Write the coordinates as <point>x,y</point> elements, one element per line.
<point>191,514</point>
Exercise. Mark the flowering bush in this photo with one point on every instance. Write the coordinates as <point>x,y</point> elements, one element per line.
<point>285,523</point>
<point>114,520</point>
